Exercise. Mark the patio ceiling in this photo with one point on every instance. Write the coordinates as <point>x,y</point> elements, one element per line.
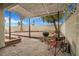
<point>37,9</point>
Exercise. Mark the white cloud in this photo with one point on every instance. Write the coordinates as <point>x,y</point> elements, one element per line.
<point>12,20</point>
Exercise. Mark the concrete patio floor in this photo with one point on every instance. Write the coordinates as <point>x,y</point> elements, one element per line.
<point>28,47</point>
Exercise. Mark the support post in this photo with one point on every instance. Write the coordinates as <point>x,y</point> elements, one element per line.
<point>58,32</point>
<point>58,26</point>
<point>21,24</point>
<point>29,29</point>
<point>9,25</point>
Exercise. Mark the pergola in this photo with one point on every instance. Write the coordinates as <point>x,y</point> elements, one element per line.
<point>35,10</point>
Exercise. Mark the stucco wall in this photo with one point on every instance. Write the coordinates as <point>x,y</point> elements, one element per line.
<point>2,42</point>
<point>77,30</point>
<point>70,30</point>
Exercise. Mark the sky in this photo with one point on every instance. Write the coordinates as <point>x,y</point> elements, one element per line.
<point>15,18</point>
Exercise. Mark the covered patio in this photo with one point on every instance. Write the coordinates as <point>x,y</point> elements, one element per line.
<point>31,41</point>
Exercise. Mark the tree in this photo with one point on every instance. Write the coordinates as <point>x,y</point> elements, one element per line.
<point>53,19</point>
<point>20,23</point>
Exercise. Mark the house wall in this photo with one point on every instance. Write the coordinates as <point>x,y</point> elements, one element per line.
<point>2,41</point>
<point>77,31</point>
<point>71,31</point>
